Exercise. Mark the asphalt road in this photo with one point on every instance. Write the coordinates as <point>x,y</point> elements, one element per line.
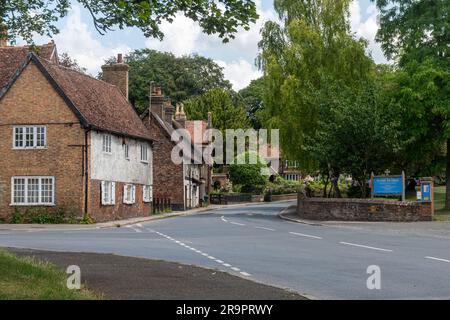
<point>324,262</point>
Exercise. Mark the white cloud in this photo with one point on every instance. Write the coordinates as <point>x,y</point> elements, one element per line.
<point>239,72</point>
<point>77,40</point>
<point>367,29</point>
<point>183,36</point>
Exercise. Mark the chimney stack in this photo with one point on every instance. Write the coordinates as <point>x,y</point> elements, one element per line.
<point>157,101</point>
<point>180,116</point>
<point>210,120</point>
<point>168,112</point>
<point>117,74</point>
<point>3,36</point>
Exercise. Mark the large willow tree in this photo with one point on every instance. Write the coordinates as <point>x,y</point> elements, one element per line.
<point>306,59</point>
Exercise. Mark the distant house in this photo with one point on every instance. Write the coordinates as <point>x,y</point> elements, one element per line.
<point>70,141</point>
<point>182,185</point>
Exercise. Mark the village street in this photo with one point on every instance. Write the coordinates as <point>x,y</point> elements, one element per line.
<point>318,261</point>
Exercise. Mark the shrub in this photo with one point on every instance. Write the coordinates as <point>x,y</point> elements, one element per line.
<point>248,176</point>
<point>87,219</point>
<point>17,217</point>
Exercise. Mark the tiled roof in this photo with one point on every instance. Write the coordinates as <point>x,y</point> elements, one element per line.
<point>12,57</point>
<point>102,104</point>
<point>98,105</point>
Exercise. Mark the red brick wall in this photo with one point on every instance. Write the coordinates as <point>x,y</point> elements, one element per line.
<point>32,100</point>
<point>167,176</point>
<point>118,211</point>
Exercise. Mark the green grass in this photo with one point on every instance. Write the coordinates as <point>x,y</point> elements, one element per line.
<point>440,213</point>
<point>23,278</point>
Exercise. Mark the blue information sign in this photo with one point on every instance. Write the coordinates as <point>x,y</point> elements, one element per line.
<point>426,191</point>
<point>388,185</point>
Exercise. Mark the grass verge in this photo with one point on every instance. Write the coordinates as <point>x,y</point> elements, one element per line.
<point>23,278</point>
<point>440,213</point>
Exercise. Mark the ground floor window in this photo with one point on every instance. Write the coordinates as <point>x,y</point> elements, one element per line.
<point>108,193</point>
<point>147,193</point>
<point>33,190</point>
<point>129,192</point>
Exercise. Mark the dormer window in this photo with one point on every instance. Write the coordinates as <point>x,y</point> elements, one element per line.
<point>29,137</point>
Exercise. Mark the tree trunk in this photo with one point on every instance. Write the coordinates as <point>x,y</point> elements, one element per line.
<point>325,187</point>
<point>447,178</point>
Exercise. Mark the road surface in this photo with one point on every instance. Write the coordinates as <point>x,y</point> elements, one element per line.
<point>318,261</point>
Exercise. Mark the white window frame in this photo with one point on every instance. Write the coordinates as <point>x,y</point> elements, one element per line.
<point>39,190</point>
<point>108,193</point>
<point>24,133</point>
<point>144,148</point>
<point>129,194</point>
<point>107,143</point>
<point>126,151</point>
<point>147,193</point>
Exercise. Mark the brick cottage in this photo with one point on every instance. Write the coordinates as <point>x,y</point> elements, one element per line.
<point>182,185</point>
<point>70,141</point>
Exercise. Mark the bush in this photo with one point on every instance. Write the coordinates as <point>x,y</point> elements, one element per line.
<point>246,175</point>
<point>42,215</point>
<point>282,186</point>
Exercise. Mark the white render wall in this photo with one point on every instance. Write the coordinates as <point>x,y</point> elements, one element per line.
<point>114,166</point>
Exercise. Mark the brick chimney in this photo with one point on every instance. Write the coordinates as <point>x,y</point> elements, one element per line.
<point>117,74</point>
<point>3,36</point>
<point>157,101</point>
<point>180,115</point>
<point>169,111</point>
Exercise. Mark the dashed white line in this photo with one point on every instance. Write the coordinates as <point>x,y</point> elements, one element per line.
<point>264,228</point>
<point>366,247</point>
<point>227,265</point>
<point>237,224</point>
<point>438,259</point>
<point>305,235</point>
<point>223,219</point>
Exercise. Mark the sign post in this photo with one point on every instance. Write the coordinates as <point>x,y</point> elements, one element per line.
<point>427,191</point>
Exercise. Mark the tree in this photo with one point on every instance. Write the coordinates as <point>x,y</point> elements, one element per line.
<point>227,112</point>
<point>248,175</point>
<point>66,61</point>
<point>305,60</point>
<point>252,98</point>
<point>181,78</point>
<point>23,18</point>
<point>416,35</point>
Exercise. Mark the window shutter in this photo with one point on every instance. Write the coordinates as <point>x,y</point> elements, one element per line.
<point>113,193</point>
<point>103,193</point>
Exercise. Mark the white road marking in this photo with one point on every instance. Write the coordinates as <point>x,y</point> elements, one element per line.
<point>223,219</point>
<point>138,225</point>
<point>438,259</point>
<point>202,253</point>
<point>238,224</point>
<point>366,247</point>
<point>264,228</point>
<point>305,235</point>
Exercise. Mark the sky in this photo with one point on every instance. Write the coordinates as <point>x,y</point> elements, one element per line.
<point>82,42</point>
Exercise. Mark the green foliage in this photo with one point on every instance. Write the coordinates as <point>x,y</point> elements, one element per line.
<point>24,18</point>
<point>87,219</point>
<point>41,215</point>
<point>282,186</point>
<point>180,77</point>
<point>305,60</point>
<point>248,176</point>
<point>227,112</point>
<point>252,98</point>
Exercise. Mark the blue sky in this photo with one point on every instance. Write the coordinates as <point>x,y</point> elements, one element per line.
<point>79,38</point>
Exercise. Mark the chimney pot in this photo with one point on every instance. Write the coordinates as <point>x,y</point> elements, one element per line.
<point>3,36</point>
<point>119,58</point>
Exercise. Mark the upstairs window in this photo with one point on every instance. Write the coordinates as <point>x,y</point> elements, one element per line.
<point>144,153</point>
<point>106,145</point>
<point>126,151</point>
<point>29,137</point>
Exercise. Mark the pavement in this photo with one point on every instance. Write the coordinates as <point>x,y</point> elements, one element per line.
<point>322,261</point>
<point>125,278</point>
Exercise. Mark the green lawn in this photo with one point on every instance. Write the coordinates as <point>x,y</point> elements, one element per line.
<point>28,279</point>
<point>440,213</point>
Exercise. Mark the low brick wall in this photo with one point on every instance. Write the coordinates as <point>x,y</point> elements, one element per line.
<point>281,197</point>
<point>362,210</point>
